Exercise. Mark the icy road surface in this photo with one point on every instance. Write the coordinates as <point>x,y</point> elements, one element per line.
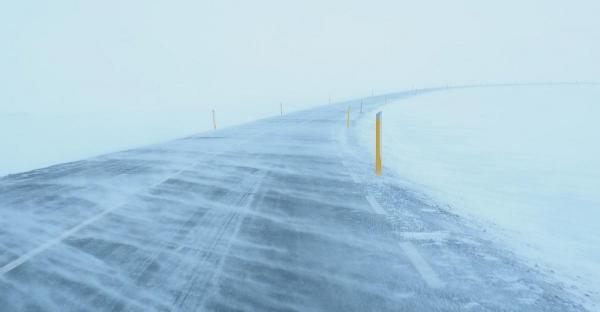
<point>280,214</point>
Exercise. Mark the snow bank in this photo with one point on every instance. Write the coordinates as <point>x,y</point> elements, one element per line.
<point>524,158</point>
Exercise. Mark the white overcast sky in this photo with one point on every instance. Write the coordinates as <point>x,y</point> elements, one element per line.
<point>159,55</point>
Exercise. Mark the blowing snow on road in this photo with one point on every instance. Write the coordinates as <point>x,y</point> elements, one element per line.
<point>280,214</point>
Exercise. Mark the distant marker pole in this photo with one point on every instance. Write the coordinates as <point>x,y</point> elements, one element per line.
<point>378,165</point>
<point>348,117</point>
<point>281,108</point>
<point>361,105</point>
<point>214,120</point>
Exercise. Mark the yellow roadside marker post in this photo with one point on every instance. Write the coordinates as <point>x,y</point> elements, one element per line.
<point>214,120</point>
<point>378,165</point>
<point>348,117</point>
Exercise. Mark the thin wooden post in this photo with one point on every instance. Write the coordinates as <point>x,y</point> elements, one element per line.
<point>214,120</point>
<point>378,165</point>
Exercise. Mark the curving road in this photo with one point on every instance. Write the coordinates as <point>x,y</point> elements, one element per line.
<point>283,214</point>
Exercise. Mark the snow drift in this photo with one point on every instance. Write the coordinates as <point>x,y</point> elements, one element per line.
<point>524,160</point>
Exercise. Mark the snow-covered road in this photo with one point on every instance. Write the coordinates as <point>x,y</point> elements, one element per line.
<point>280,214</point>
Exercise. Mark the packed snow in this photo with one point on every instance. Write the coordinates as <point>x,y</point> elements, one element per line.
<point>522,160</point>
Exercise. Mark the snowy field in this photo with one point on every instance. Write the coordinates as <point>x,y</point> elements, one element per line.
<point>523,161</point>
<point>31,141</point>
